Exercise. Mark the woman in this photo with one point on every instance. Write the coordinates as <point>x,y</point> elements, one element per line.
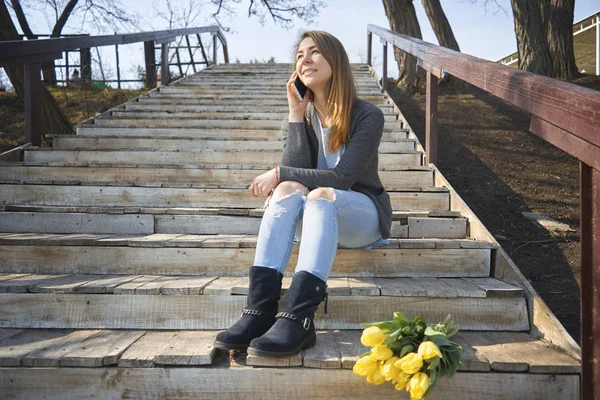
<point>328,182</point>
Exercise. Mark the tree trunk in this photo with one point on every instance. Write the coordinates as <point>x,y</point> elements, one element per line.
<point>558,21</point>
<point>403,19</point>
<point>440,24</point>
<point>54,120</point>
<point>534,53</point>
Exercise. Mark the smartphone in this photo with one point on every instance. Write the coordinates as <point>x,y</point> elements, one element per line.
<point>299,88</point>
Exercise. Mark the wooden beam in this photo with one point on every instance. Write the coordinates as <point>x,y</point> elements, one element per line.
<point>33,104</point>
<point>431,125</point>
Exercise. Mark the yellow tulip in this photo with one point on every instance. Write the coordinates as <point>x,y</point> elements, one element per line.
<point>373,336</point>
<point>410,363</point>
<point>382,352</point>
<point>417,386</point>
<point>389,370</point>
<point>400,380</point>
<point>365,366</point>
<point>377,378</point>
<point>429,350</point>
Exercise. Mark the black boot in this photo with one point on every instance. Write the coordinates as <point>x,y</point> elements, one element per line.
<point>259,314</point>
<point>294,329</point>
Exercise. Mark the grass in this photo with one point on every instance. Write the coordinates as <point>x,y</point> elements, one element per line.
<point>77,103</point>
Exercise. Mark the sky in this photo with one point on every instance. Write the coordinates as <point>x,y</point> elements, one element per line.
<point>485,33</point>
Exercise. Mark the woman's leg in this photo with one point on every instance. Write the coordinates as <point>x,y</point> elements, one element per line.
<point>273,252</point>
<point>276,234</point>
<point>294,329</point>
<point>333,216</point>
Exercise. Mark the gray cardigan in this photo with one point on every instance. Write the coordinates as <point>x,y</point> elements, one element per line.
<point>358,165</point>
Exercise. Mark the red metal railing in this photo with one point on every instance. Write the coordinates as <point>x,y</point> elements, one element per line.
<point>566,115</point>
<point>31,54</point>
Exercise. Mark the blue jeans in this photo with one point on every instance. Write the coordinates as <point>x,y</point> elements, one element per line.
<point>351,220</point>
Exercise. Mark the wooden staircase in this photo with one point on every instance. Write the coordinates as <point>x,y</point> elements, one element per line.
<point>124,250</point>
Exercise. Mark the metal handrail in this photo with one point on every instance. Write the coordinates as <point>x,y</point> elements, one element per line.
<point>563,114</point>
<point>31,53</point>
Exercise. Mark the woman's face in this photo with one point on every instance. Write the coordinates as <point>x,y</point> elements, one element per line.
<point>311,66</point>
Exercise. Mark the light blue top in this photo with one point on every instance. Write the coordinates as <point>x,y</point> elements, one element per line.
<point>327,159</point>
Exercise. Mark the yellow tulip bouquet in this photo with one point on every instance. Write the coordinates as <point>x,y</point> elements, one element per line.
<point>410,354</point>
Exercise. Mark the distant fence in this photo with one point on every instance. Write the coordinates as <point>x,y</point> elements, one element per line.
<point>31,54</point>
<point>563,114</point>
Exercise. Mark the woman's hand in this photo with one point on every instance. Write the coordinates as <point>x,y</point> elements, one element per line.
<point>263,184</point>
<point>297,107</point>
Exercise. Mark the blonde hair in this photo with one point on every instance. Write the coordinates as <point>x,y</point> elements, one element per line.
<point>342,89</point>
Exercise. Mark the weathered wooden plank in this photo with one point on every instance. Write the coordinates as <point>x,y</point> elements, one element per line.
<point>102,349</point>
<point>338,287</point>
<point>23,283</point>
<point>131,286</point>
<point>75,223</point>
<point>62,284</point>
<point>463,288</point>
<point>206,177</point>
<point>14,348</point>
<point>186,286</point>
<point>387,262</point>
<point>450,228</point>
<point>153,240</point>
<point>7,277</point>
<point>435,287</point>
<point>264,383</point>
<point>49,355</point>
<point>6,333</point>
<point>363,287</point>
<point>104,284</point>
<point>154,286</point>
<point>142,353</point>
<point>223,241</point>
<point>83,311</point>
<point>207,224</point>
<point>408,287</point>
<point>471,359</point>
<point>350,347</point>
<point>325,354</point>
<point>258,361</point>
<point>227,286</point>
<point>496,287</point>
<point>501,357</point>
<point>188,348</point>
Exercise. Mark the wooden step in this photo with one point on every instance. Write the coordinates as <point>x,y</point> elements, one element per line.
<point>209,224</point>
<point>200,133</point>
<point>246,116</point>
<point>428,199</point>
<point>165,302</point>
<point>257,83</point>
<point>73,142</point>
<point>253,91</point>
<point>284,109</point>
<point>258,98</point>
<point>266,159</point>
<point>247,103</point>
<point>206,124</point>
<point>228,254</point>
<point>415,177</point>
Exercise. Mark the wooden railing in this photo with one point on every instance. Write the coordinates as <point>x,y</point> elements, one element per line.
<point>31,54</point>
<point>566,115</point>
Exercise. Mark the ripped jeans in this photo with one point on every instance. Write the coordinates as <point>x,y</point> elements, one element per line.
<point>351,220</point>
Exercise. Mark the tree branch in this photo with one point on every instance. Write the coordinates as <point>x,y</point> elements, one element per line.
<point>16,5</point>
<point>64,16</point>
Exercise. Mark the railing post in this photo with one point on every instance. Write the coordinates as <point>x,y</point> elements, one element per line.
<point>214,49</point>
<point>384,77</point>
<point>118,69</point>
<point>33,104</point>
<point>431,109</point>
<point>150,60</point>
<point>164,66</point>
<point>369,47</point>
<point>590,281</point>
<point>85,61</point>
<point>67,68</point>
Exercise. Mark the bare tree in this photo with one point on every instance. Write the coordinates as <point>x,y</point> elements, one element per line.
<point>534,52</point>
<point>557,20</point>
<point>403,19</point>
<point>102,14</point>
<point>54,120</point>
<point>439,23</point>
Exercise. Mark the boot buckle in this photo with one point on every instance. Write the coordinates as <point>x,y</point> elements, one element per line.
<point>306,323</point>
